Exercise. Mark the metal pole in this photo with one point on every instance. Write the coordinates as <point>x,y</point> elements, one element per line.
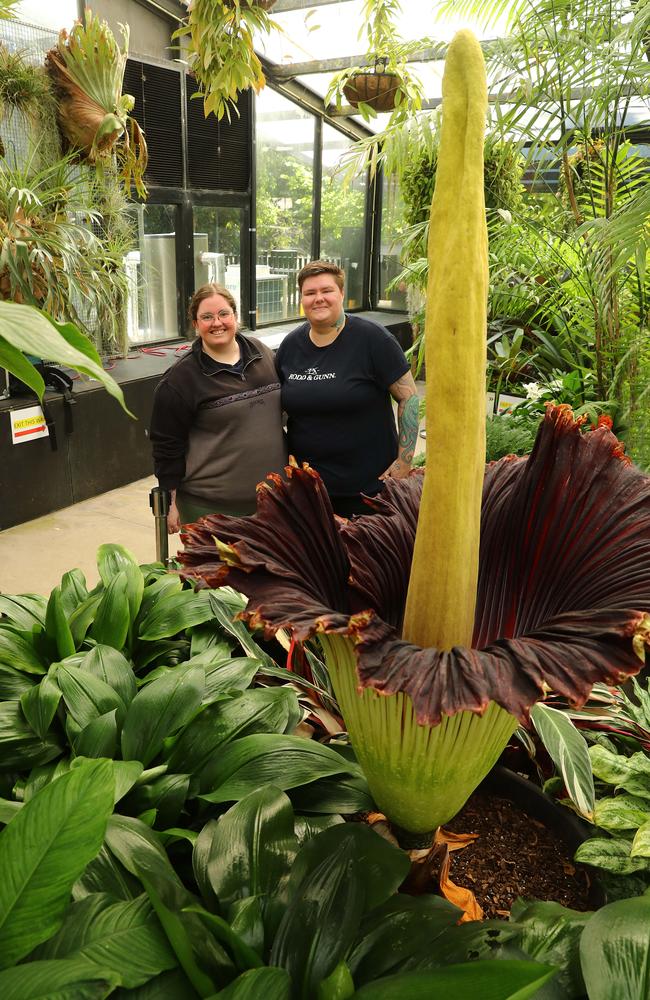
<point>159,503</point>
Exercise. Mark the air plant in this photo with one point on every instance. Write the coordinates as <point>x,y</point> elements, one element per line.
<point>470,592</point>
<point>87,69</point>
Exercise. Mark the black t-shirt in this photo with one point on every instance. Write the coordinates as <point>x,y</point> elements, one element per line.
<point>339,410</point>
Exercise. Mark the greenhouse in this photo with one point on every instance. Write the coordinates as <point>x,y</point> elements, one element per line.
<point>324,499</point>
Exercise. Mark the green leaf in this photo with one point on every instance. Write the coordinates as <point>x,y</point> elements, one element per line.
<point>253,847</point>
<point>156,591</point>
<point>247,921</point>
<point>341,794</point>
<point>86,696</point>
<point>226,675</point>
<point>167,986</point>
<point>73,590</point>
<point>621,812</point>
<point>105,874</point>
<point>307,827</point>
<point>113,559</point>
<point>161,708</point>
<point>641,841</point>
<point>124,937</point>
<point>631,773</point>
<point>56,626</point>
<point>82,618</point>
<point>267,759</point>
<point>267,710</point>
<point>400,931</point>
<point>112,617</point>
<point>322,918</point>
<point>166,795</point>
<point>548,932</point>
<point>613,855</point>
<point>39,705</point>
<point>615,951</point>
<point>44,850</point>
<point>243,955</point>
<point>24,610</point>
<point>20,747</point>
<point>113,668</point>
<point>506,980</point>
<point>34,332</point>
<point>379,866</point>
<point>98,738</point>
<point>339,985</point>
<point>175,613</point>
<point>569,751</point>
<point>14,684</point>
<point>258,984</point>
<point>8,810</point>
<point>15,362</point>
<point>18,653</point>
<point>56,980</point>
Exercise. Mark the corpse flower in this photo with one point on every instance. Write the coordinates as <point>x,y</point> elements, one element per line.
<point>469,593</point>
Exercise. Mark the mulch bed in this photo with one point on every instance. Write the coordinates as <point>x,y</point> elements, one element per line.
<point>514,855</point>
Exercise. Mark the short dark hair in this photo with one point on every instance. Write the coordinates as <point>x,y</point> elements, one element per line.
<point>316,267</point>
<point>206,292</point>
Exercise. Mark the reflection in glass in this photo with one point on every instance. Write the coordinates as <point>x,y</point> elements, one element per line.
<point>217,248</point>
<point>151,269</point>
<point>392,230</point>
<point>342,237</point>
<point>284,193</point>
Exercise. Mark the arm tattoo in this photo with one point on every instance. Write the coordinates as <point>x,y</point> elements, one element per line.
<point>408,419</point>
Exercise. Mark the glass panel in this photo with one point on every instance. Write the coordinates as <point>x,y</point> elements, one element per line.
<point>153,311</point>
<point>217,248</point>
<point>342,232</point>
<point>284,192</point>
<point>392,231</point>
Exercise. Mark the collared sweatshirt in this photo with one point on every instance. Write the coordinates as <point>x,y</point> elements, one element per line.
<point>216,430</point>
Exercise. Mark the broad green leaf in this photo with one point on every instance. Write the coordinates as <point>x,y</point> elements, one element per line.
<point>346,793</point>
<point>105,874</point>
<point>401,930</point>
<point>321,919</point>
<point>98,738</point>
<point>113,559</point>
<point>266,710</point>
<point>615,951</point>
<point>175,613</point>
<point>14,684</point>
<point>253,847</point>
<point>44,850</point>
<point>267,759</point>
<point>8,810</point>
<point>210,636</point>
<point>23,610</point>
<point>34,332</point>
<point>226,675</point>
<point>56,626</point>
<point>20,747</point>
<point>139,850</point>
<point>226,603</point>
<point>613,855</point>
<point>569,751</point>
<point>86,696</point>
<point>15,362</point>
<point>339,985</point>
<point>306,827</point>
<point>550,933</point>
<point>641,841</point>
<point>113,668</point>
<point>631,773</point>
<point>246,917</point>
<point>56,980</point>
<point>39,705</point>
<point>167,986</point>
<point>73,590</point>
<point>18,653</point>
<point>621,812</point>
<point>380,868</point>
<point>258,984</point>
<point>156,591</point>
<point>124,937</point>
<point>159,710</point>
<point>112,617</point>
<point>506,980</point>
<point>81,619</point>
<point>243,955</point>
<point>166,795</point>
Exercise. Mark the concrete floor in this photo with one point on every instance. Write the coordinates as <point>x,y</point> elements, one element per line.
<point>34,555</point>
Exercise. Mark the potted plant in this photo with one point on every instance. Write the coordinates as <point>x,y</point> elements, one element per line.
<point>220,48</point>
<point>87,69</point>
<point>386,84</point>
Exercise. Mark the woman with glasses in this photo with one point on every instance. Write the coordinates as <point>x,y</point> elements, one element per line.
<point>216,426</point>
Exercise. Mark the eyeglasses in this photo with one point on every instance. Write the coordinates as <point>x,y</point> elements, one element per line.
<point>209,317</point>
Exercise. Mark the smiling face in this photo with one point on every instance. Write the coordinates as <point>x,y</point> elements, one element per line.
<point>216,325</point>
<point>322,301</point>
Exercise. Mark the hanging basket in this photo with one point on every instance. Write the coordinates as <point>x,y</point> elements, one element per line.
<point>378,90</point>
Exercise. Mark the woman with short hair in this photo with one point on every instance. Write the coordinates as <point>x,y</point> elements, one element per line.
<point>216,427</point>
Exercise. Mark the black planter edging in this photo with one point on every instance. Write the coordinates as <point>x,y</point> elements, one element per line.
<point>570,829</point>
